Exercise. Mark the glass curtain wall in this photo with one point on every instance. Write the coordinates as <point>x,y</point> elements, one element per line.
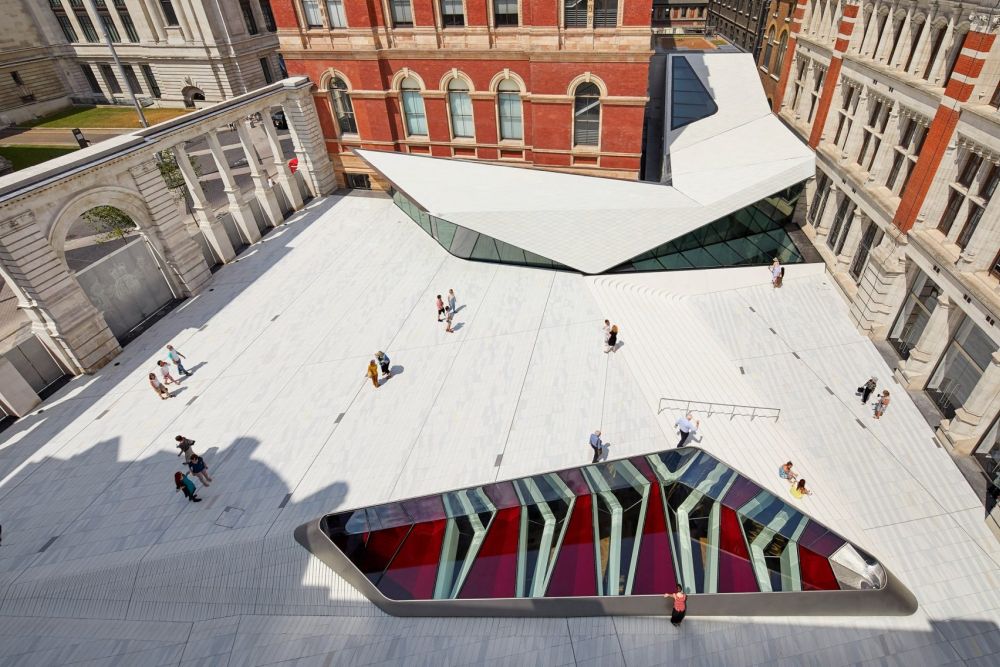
<point>960,368</point>
<point>754,235</point>
<point>914,315</point>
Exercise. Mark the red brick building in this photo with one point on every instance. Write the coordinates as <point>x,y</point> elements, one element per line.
<point>551,83</point>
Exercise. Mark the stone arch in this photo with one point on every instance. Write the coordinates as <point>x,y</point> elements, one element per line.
<point>127,200</point>
<point>505,75</point>
<point>397,79</point>
<point>331,74</point>
<point>587,77</point>
<point>455,73</point>
<point>192,94</point>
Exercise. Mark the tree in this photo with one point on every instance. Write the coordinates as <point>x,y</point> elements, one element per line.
<point>109,222</point>
<point>171,173</point>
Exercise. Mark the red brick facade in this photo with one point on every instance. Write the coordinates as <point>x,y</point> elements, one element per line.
<point>545,60</point>
<point>850,13</point>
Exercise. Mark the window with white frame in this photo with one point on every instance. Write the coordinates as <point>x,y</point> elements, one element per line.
<point>574,13</point>
<point>799,84</point>
<point>768,50</point>
<point>960,190</point>
<point>878,118</point>
<point>818,77</point>
<point>911,140</point>
<point>977,205</point>
<point>605,13</point>
<point>780,58</point>
<point>586,115</point>
<point>460,109</point>
<point>505,13</point>
<point>310,9</point>
<point>841,225</point>
<point>402,14</point>
<point>968,197</point>
<point>413,107</point>
<point>452,13</point>
<point>850,96</point>
<point>870,238</point>
<point>343,109</point>
<point>509,111</point>
<point>823,186</point>
<point>335,12</point>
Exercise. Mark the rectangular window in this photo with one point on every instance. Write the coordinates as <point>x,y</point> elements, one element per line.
<point>819,200</point>
<point>147,74</point>
<point>402,15</point>
<point>510,116</point>
<point>574,13</point>
<point>970,169</point>
<point>950,212</point>
<point>312,15</point>
<point>248,18</point>
<point>871,238</point>
<point>461,114</point>
<point>961,367</point>
<point>265,67</point>
<point>265,11</point>
<point>168,12</point>
<point>109,27</point>
<point>335,10</point>
<point>126,19</point>
<point>452,13</point>
<point>413,110</point>
<point>88,74</point>
<point>995,268</point>
<point>841,226</point>
<point>132,80</point>
<point>914,315</point>
<point>87,26</point>
<point>605,13</point>
<point>67,28</point>
<point>969,228</point>
<point>17,78</point>
<point>505,13</point>
<point>110,79</point>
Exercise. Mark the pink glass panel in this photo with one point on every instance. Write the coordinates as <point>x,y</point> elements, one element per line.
<point>575,571</point>
<point>735,572</point>
<point>411,574</point>
<point>494,572</point>
<point>654,570</point>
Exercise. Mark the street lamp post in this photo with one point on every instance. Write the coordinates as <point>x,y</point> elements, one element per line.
<point>118,63</point>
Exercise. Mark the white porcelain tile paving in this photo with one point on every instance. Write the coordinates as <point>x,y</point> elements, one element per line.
<point>292,429</point>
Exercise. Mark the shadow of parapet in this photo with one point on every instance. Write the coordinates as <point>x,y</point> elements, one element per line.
<point>94,536</point>
<point>26,436</point>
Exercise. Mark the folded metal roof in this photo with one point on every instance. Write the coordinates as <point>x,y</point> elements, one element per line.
<point>720,163</point>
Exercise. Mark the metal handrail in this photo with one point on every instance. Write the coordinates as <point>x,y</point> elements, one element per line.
<point>727,409</point>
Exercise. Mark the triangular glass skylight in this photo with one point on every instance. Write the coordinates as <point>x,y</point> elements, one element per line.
<point>689,99</point>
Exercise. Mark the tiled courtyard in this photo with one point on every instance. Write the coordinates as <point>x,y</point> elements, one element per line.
<point>104,563</point>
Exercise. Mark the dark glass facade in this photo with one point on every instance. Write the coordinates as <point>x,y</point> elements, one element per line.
<point>754,235</point>
<point>637,526</point>
<point>467,244</point>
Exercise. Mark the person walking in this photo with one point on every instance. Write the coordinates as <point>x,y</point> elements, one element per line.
<point>679,607</point>
<point>452,300</point>
<point>165,373</point>
<point>199,469</point>
<point>383,362</point>
<point>449,313</point>
<point>776,273</point>
<point>597,445</point>
<point>867,388</point>
<point>785,472</point>
<point>373,372</point>
<point>686,427</point>
<point>799,490</point>
<point>612,339</point>
<point>882,404</point>
<point>159,388</point>
<point>606,330</point>
<point>185,445</point>
<point>184,484</point>
<point>440,307</point>
<point>175,356</point>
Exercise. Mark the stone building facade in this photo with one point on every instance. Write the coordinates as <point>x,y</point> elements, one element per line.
<point>551,83</point>
<point>900,101</point>
<point>774,44</point>
<point>739,21</point>
<point>176,52</point>
<point>679,17</point>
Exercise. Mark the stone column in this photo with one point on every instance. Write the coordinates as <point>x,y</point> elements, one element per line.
<point>52,299</point>
<point>948,44</point>
<point>283,175</point>
<point>965,429</point>
<point>264,192</point>
<point>176,251</point>
<point>822,224</point>
<point>239,209</point>
<point>214,231</point>
<point>16,394</point>
<point>853,237</point>
<point>914,371</point>
<point>310,145</point>
<point>153,23</point>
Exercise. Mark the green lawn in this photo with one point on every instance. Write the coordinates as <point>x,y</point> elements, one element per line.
<point>103,116</point>
<point>27,156</point>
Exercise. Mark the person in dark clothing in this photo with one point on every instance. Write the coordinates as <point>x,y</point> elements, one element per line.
<point>185,485</point>
<point>200,469</point>
<point>867,388</point>
<point>383,361</point>
<point>185,445</point>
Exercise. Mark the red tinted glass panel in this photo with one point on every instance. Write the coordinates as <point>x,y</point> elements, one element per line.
<point>642,465</point>
<point>371,552</point>
<point>817,574</point>
<point>654,570</point>
<point>411,574</point>
<point>428,508</point>
<point>820,540</point>
<point>494,572</point>
<point>575,571</point>
<point>735,572</point>
<point>502,494</point>
<point>574,480</point>
<point>740,493</point>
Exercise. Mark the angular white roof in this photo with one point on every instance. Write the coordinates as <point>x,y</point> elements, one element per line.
<point>719,164</point>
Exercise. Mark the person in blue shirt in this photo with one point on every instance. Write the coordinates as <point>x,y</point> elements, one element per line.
<point>383,361</point>
<point>596,445</point>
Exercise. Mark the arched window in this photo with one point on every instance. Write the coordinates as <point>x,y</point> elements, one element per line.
<point>342,107</point>
<point>586,115</point>
<point>768,49</point>
<point>782,45</point>
<point>509,110</point>
<point>460,106</point>
<point>413,107</point>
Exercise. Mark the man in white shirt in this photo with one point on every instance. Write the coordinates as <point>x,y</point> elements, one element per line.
<point>686,427</point>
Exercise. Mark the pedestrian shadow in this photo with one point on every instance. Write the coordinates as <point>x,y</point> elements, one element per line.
<point>605,452</point>
<point>180,390</point>
<point>196,367</point>
<point>458,326</point>
<point>396,370</point>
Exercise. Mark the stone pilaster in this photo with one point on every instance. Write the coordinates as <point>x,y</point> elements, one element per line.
<point>15,393</point>
<point>283,174</point>
<point>239,209</point>
<point>214,231</point>
<point>52,299</point>
<point>175,249</point>
<point>914,371</point>
<point>965,429</point>
<point>264,192</point>
<point>310,145</point>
